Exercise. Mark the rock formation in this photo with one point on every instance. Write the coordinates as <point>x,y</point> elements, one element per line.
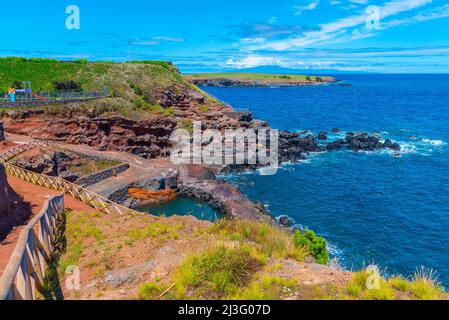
<point>150,198</point>
<point>362,142</point>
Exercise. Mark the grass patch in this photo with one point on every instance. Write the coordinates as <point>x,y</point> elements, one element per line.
<point>149,291</point>
<point>266,288</point>
<point>268,239</point>
<point>154,230</point>
<point>90,166</point>
<point>79,228</point>
<point>358,288</point>
<point>422,286</point>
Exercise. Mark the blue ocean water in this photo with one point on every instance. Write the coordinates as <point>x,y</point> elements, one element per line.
<point>371,207</point>
<point>184,207</point>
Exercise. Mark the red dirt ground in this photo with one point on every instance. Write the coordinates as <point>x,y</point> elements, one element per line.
<point>35,197</point>
<point>6,145</point>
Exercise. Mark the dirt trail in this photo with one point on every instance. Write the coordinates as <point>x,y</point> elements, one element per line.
<point>32,203</point>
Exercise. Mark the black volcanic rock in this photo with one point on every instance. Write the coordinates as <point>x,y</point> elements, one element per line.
<point>322,135</point>
<point>335,145</point>
<point>365,142</point>
<point>292,147</point>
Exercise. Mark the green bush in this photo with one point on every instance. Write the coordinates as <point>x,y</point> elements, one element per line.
<point>316,245</point>
<point>67,85</point>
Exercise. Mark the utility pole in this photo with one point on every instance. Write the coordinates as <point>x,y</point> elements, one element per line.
<point>129,50</point>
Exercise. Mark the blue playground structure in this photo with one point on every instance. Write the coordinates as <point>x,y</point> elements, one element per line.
<point>23,94</point>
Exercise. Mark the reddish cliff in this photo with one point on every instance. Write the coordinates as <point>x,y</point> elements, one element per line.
<point>5,202</point>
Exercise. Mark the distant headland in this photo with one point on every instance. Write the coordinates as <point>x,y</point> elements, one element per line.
<point>246,79</point>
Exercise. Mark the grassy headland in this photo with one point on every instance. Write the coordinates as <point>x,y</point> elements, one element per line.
<point>136,86</point>
<point>263,78</point>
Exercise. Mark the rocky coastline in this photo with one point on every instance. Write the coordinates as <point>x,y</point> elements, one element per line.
<point>229,83</point>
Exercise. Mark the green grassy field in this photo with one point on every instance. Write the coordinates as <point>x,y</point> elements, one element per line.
<point>135,88</point>
<point>256,77</point>
<point>93,76</point>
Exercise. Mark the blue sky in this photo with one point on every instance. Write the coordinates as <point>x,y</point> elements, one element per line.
<point>412,35</point>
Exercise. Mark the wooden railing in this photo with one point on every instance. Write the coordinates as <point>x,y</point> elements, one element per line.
<point>25,273</point>
<point>84,195</point>
<point>11,153</point>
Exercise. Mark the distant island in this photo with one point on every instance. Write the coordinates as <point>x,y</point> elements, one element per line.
<point>244,79</point>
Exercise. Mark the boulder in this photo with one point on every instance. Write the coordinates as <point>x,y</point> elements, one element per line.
<point>284,221</point>
<point>322,135</point>
<point>388,143</point>
<point>335,145</point>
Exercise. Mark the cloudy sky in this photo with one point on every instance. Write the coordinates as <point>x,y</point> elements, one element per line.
<point>409,36</point>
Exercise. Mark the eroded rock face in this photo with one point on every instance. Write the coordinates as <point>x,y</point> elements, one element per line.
<point>2,132</point>
<point>146,138</point>
<point>5,204</point>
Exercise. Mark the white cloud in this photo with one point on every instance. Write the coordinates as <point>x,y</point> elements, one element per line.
<point>144,42</point>
<point>306,7</point>
<point>254,61</point>
<point>431,14</point>
<point>359,1</point>
<point>335,30</point>
<point>169,39</point>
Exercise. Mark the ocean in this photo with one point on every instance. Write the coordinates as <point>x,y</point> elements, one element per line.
<point>371,207</point>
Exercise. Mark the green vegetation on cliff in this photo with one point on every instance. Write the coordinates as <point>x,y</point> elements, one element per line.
<point>147,86</point>
<point>184,258</point>
<point>93,76</point>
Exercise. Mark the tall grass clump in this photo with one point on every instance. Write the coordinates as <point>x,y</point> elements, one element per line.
<point>149,291</point>
<point>425,285</point>
<point>218,271</point>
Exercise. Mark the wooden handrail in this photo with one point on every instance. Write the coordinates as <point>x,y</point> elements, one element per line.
<point>25,273</point>
<point>55,183</point>
<point>11,153</point>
